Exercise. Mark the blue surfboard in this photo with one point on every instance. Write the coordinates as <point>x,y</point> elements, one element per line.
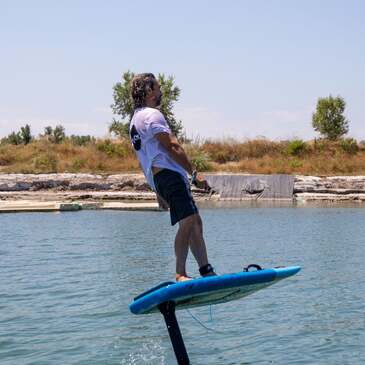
<point>209,290</point>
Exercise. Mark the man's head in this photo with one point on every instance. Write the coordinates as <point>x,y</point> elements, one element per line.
<point>146,91</point>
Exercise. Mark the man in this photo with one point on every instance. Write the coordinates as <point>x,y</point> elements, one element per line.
<point>165,165</point>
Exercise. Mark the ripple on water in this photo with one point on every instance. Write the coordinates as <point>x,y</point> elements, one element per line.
<point>67,280</point>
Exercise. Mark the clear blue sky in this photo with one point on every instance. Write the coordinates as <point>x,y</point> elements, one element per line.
<point>246,68</point>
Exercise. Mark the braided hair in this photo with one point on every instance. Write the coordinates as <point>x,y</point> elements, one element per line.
<point>141,83</point>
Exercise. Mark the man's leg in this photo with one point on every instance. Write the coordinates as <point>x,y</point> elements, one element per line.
<point>196,241</point>
<point>182,249</point>
<point>190,233</point>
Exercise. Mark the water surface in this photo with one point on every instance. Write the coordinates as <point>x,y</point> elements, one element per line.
<point>67,280</point>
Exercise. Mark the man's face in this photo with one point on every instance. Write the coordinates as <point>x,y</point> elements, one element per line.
<point>155,94</point>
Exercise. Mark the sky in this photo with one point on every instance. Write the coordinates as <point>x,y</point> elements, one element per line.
<point>246,69</point>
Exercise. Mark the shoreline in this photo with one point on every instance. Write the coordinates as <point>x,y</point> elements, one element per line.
<point>62,192</point>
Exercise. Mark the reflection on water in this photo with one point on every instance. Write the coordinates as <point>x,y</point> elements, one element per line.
<point>67,280</point>
<point>284,203</point>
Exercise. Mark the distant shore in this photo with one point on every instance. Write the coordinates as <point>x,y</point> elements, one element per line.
<point>68,187</point>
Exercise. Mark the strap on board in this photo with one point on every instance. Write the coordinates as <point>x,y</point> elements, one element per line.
<point>254,266</point>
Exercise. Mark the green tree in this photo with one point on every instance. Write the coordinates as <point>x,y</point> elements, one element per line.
<point>123,104</point>
<point>48,131</point>
<point>59,134</point>
<point>25,134</point>
<point>120,129</point>
<point>81,140</point>
<point>13,138</point>
<point>328,118</point>
<point>55,135</point>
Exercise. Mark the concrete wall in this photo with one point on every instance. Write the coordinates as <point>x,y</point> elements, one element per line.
<point>253,187</point>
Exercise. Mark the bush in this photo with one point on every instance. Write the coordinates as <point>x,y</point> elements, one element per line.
<point>230,150</point>
<point>46,163</point>
<point>296,147</point>
<point>258,148</point>
<point>13,138</point>
<point>111,149</point>
<point>326,146</point>
<point>81,140</point>
<point>201,161</point>
<point>219,151</point>
<point>78,163</point>
<point>349,145</point>
<point>198,156</point>
<point>7,157</point>
<point>295,164</point>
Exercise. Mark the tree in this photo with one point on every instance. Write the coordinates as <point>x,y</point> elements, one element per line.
<point>81,140</point>
<point>328,119</point>
<point>25,134</point>
<point>48,131</point>
<point>120,129</point>
<point>123,104</point>
<point>56,135</point>
<point>59,134</point>
<point>13,138</point>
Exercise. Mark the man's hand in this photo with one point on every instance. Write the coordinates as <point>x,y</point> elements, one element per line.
<point>162,203</point>
<point>201,183</point>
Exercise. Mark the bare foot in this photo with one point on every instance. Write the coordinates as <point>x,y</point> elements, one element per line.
<point>180,278</point>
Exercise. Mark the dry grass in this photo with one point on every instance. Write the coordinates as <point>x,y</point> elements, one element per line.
<point>229,150</point>
<point>44,157</point>
<point>253,156</point>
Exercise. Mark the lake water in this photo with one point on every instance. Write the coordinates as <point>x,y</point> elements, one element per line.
<point>66,280</point>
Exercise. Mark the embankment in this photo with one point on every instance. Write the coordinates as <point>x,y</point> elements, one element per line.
<point>68,187</point>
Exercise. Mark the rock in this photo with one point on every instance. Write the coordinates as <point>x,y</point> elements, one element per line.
<point>70,196</point>
<point>95,187</point>
<point>69,207</point>
<point>341,185</point>
<point>72,182</point>
<point>89,185</point>
<point>329,197</point>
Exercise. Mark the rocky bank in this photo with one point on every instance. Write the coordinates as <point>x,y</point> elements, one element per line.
<point>70,187</point>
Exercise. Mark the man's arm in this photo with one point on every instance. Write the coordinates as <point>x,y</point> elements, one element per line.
<point>175,150</point>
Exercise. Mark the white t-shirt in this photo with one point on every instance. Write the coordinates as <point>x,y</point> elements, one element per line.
<point>145,124</point>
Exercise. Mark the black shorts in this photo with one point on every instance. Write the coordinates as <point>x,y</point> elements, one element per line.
<point>176,191</point>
